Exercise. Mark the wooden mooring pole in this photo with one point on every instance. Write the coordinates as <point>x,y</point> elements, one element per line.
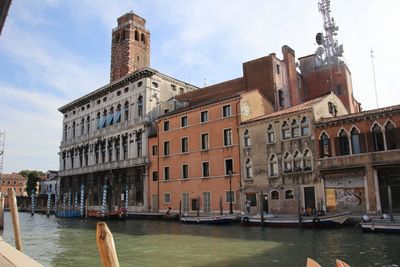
<point>12,202</point>
<point>106,246</point>
<point>220,205</point>
<point>180,210</point>
<point>1,211</point>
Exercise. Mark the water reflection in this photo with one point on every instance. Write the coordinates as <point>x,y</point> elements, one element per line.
<point>71,242</point>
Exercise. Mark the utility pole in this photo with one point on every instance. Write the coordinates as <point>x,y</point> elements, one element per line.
<point>373,72</point>
<point>2,141</point>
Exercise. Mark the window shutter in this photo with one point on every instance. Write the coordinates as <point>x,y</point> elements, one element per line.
<point>363,144</point>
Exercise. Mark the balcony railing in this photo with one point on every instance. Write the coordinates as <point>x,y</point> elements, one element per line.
<point>360,160</point>
<point>139,161</point>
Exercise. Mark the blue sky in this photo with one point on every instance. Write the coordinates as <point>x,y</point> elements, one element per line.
<point>53,51</point>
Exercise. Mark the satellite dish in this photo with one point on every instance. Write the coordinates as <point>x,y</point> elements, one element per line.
<point>319,38</point>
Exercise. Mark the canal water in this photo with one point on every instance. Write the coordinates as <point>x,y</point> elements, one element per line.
<point>72,242</point>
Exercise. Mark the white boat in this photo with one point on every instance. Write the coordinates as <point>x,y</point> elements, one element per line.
<point>295,221</point>
<point>381,225</point>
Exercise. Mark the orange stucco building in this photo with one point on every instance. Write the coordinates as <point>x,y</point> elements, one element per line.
<point>13,180</point>
<point>194,156</point>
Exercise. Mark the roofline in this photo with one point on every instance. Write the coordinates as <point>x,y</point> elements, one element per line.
<point>328,121</point>
<point>258,119</point>
<point>145,72</point>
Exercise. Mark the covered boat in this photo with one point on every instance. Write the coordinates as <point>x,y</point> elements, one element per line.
<point>219,219</point>
<point>330,220</point>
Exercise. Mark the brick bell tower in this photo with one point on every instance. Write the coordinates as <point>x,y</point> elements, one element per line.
<point>130,46</point>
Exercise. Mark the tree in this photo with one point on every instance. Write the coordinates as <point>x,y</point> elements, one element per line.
<point>33,179</point>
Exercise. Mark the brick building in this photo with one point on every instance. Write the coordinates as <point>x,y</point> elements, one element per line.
<point>278,157</point>
<point>195,155</point>
<point>359,157</point>
<point>13,180</point>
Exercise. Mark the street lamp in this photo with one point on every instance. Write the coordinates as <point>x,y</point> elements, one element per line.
<point>230,192</point>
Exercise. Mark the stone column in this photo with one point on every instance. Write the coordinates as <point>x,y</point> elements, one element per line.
<point>113,156</point>
<point>121,149</point>
<point>106,159</point>
<point>377,193</point>
<point>372,189</point>
<point>144,144</point>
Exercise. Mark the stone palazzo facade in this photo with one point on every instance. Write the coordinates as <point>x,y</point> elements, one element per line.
<point>105,132</point>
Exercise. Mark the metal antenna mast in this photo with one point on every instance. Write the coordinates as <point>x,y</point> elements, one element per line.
<point>2,141</point>
<point>329,44</point>
<point>373,72</point>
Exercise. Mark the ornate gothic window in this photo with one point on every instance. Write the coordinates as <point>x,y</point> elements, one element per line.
<point>295,128</point>
<point>344,143</point>
<point>270,134</point>
<point>249,169</point>
<point>274,194</point>
<point>287,163</point>
<point>390,134</point>
<point>307,160</point>
<point>285,130</point>
<point>296,161</point>
<point>246,138</point>
<point>378,138</point>
<point>305,126</point>
<point>273,166</point>
<point>355,141</point>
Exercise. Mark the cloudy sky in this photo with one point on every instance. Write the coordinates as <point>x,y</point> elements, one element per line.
<point>53,51</point>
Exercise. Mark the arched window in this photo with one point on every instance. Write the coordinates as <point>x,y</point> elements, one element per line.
<point>325,146</point>
<point>88,124</point>
<point>307,160</point>
<point>287,163</point>
<point>118,114</point>
<point>249,169</point>
<point>126,111</point>
<point>73,130</point>
<point>355,141</point>
<point>270,134</point>
<point>281,99</point>
<point>103,121</point>
<point>246,138</point>
<point>139,144</point>
<point>140,106</point>
<point>295,128</point>
<point>289,194</point>
<point>142,38</point>
<point>285,130</point>
<point>136,36</point>
<point>378,138</point>
<point>98,120</point>
<point>65,131</point>
<point>110,117</point>
<point>273,166</point>
<point>344,143</point>
<point>297,161</point>
<point>390,134</point>
<point>274,194</point>
<point>82,126</point>
<point>305,126</point>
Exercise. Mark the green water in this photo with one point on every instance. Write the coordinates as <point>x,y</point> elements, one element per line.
<point>72,242</point>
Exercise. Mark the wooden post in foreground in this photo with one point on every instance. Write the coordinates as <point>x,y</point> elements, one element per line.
<point>198,206</point>
<point>180,210</point>
<point>86,207</point>
<point>12,202</point>
<point>105,245</point>
<point>262,207</point>
<point>220,205</point>
<point>1,211</point>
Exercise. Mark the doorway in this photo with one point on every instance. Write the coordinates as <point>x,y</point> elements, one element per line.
<point>309,197</point>
<point>154,202</point>
<point>264,199</point>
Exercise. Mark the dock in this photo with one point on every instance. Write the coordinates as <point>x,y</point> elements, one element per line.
<point>10,257</point>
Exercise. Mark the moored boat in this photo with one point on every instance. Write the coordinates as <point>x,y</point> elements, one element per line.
<point>381,225</point>
<point>220,219</point>
<point>110,215</point>
<point>329,220</point>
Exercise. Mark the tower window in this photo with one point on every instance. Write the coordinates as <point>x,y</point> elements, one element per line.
<point>136,35</point>
<point>143,38</point>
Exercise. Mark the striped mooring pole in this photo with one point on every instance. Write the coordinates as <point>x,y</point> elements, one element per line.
<point>33,202</point>
<point>76,201</point>
<point>126,200</point>
<point>104,203</point>
<point>82,199</point>
<point>69,200</point>
<point>64,201</point>
<point>48,204</point>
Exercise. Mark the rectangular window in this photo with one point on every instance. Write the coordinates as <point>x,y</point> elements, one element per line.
<point>155,176</point>
<point>167,198</point>
<point>185,171</point>
<point>206,169</point>
<point>173,87</point>
<point>181,90</point>
<point>227,137</point>
<point>206,201</point>
<point>204,116</point>
<point>252,198</point>
<point>226,111</point>
<point>228,166</point>
<point>166,173</point>
<point>154,150</point>
<point>230,195</point>
<point>185,202</point>
<point>166,111</point>
<point>184,121</point>
<point>166,126</point>
<point>204,141</point>
<point>278,71</point>
<point>184,145</point>
<point>166,148</point>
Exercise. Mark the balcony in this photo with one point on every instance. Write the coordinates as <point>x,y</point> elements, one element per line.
<point>109,130</point>
<point>386,157</point>
<point>139,161</point>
